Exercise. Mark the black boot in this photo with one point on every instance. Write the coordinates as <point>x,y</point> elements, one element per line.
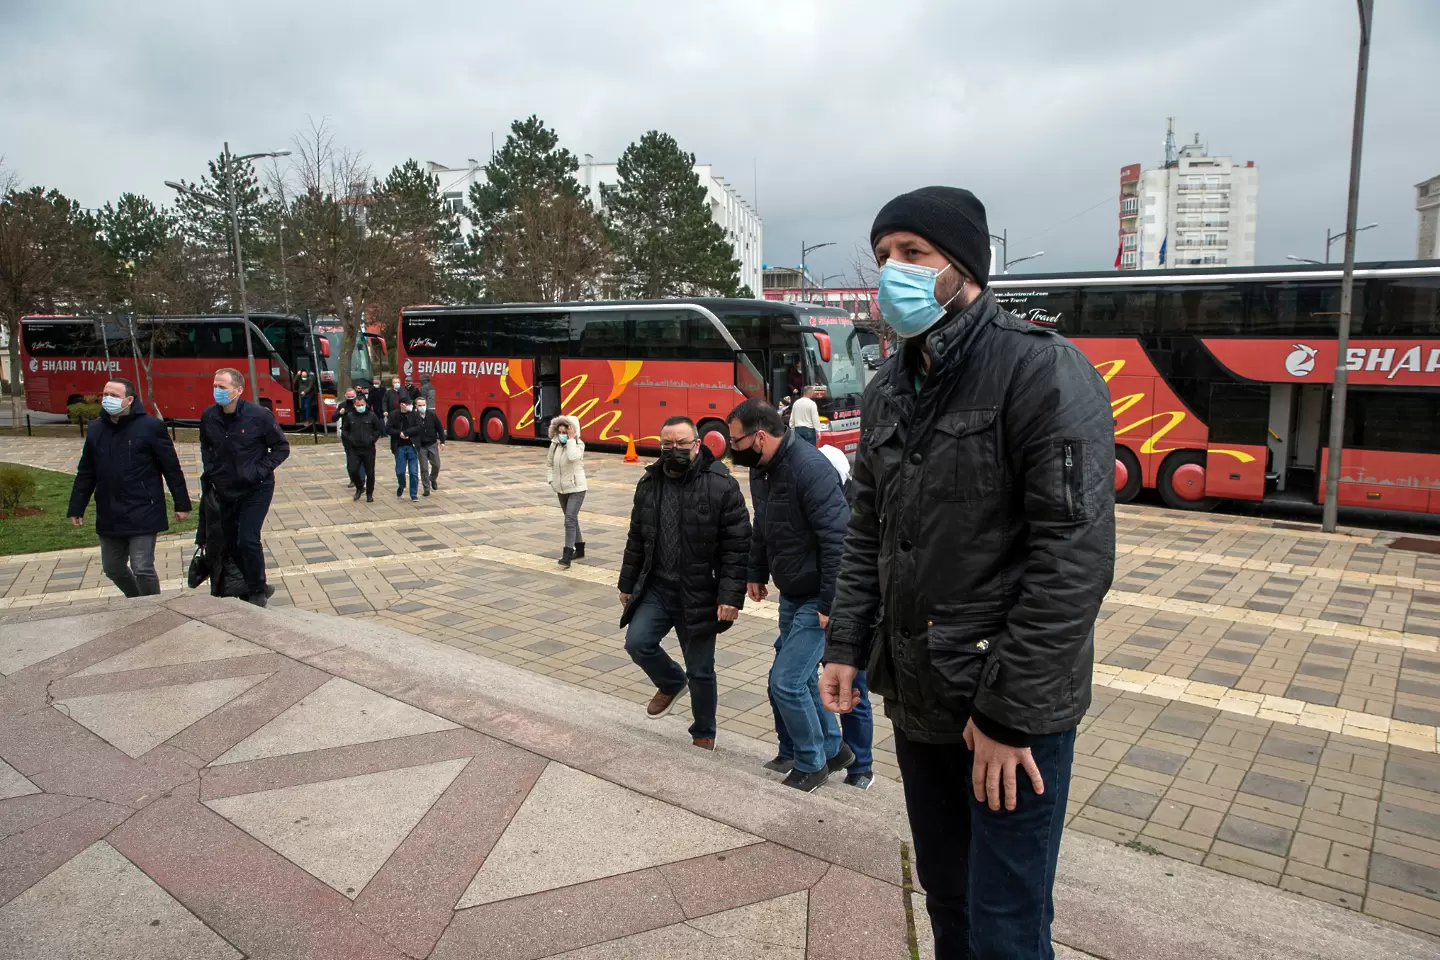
<point>580,550</point>
<point>565,558</point>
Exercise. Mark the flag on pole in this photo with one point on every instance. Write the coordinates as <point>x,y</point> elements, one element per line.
<point>1163,244</point>
<point>1118,252</point>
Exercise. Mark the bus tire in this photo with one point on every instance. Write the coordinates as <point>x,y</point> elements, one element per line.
<point>493,428</point>
<point>462,426</point>
<point>1128,479</point>
<point>1181,482</point>
<point>714,435</point>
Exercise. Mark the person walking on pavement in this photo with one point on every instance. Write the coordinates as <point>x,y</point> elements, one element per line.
<point>241,445</point>
<point>394,395</point>
<point>800,517</point>
<point>805,415</point>
<point>402,426</point>
<point>980,547</point>
<point>360,428</point>
<point>857,728</point>
<point>429,441</point>
<point>684,567</point>
<point>427,392</point>
<point>566,460</point>
<point>347,405</point>
<point>126,456</point>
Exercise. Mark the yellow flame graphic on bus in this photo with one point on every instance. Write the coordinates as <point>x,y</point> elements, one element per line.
<point>1108,369</point>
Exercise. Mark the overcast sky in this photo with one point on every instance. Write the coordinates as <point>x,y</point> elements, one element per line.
<point>833,106</point>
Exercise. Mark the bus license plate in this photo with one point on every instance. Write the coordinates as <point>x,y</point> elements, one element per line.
<point>851,447</point>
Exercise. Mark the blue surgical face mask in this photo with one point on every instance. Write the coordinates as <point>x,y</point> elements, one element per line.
<point>563,438</point>
<point>222,397</point>
<point>112,405</point>
<point>907,297</point>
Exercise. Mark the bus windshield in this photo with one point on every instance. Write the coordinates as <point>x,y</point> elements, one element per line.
<point>843,375</point>
<point>362,367</point>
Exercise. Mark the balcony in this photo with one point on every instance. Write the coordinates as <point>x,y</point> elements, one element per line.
<point>1129,206</point>
<point>1203,188</point>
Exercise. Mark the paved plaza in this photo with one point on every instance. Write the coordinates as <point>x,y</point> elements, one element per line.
<point>1266,705</point>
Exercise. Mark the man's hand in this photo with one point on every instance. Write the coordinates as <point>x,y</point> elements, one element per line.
<point>76,521</point>
<point>994,768</point>
<point>404,435</point>
<point>181,514</point>
<point>837,688</point>
<point>442,444</point>
<point>727,612</point>
<point>624,599</point>
<point>824,620</point>
<point>757,591</point>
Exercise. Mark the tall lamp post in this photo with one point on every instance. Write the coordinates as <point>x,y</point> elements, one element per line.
<point>1330,238</point>
<point>1004,240</point>
<point>1033,256</point>
<point>228,167</point>
<point>805,252</point>
<point>1347,283</point>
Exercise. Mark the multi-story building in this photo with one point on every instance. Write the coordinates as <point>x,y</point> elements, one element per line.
<point>1195,211</point>
<point>1427,204</point>
<point>742,225</point>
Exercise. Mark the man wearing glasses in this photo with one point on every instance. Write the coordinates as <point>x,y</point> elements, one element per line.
<point>684,567</point>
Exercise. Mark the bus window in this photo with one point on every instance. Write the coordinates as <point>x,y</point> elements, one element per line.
<point>659,335</point>
<point>705,342</point>
<point>1194,310</point>
<point>1104,313</point>
<point>601,334</point>
<point>1293,309</point>
<point>748,379</point>
<point>1407,307</point>
<point>529,334</point>
<point>1387,419</point>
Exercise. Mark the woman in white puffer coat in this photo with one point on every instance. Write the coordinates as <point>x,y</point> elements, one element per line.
<point>566,457</point>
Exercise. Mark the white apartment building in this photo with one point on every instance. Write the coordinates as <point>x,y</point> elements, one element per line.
<point>1195,211</point>
<point>742,225</point>
<point>1427,204</point>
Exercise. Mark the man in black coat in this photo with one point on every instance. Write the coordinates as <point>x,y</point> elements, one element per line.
<point>241,445</point>
<point>799,537</point>
<point>403,425</point>
<point>127,452</point>
<point>360,428</point>
<point>981,544</point>
<point>429,441</point>
<point>684,567</point>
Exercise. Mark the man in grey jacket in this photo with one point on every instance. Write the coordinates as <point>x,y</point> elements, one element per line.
<point>981,543</point>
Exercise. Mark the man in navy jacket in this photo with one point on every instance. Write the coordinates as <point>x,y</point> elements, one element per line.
<point>127,453</point>
<point>798,539</point>
<point>240,447</point>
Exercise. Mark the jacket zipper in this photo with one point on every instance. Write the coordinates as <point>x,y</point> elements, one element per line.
<point>1069,491</point>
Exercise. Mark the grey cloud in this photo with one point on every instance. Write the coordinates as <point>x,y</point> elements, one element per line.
<point>837,104</point>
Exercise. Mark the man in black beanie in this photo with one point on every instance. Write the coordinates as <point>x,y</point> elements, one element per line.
<point>988,444</point>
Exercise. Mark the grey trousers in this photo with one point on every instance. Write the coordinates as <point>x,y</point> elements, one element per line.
<point>429,455</point>
<point>571,503</point>
<point>129,562</point>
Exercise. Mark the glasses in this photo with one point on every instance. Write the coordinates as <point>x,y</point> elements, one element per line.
<point>666,445</point>
<point>743,436</point>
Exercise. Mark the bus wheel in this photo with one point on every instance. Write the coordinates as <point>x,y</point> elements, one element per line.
<point>715,436</point>
<point>1128,480</point>
<point>494,429</point>
<point>461,426</point>
<point>1182,482</point>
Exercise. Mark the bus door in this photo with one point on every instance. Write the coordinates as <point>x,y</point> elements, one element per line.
<point>547,393</point>
<point>1306,415</point>
<point>787,376</point>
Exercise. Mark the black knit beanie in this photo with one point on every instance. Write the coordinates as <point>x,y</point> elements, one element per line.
<point>950,218</point>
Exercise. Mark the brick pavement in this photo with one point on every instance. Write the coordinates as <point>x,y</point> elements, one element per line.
<point>1267,696</point>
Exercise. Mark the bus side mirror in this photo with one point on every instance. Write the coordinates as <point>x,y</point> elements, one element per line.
<point>823,341</point>
<point>324,348</point>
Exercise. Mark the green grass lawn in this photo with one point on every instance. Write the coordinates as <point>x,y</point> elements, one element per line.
<point>51,530</point>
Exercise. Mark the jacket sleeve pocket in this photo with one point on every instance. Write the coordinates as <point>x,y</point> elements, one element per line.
<point>964,457</point>
<point>959,653</point>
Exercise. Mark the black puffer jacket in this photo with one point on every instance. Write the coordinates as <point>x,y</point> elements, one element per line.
<point>982,532</point>
<point>714,539</point>
<point>800,520</point>
<point>401,422</point>
<point>240,452</point>
<point>360,431</point>
<point>122,464</point>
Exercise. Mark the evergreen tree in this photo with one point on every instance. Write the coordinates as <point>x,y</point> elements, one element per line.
<point>419,235</point>
<point>531,159</point>
<point>658,215</point>
<point>133,234</point>
<point>207,230</point>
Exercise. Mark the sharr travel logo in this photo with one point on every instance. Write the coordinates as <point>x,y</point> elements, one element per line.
<point>1301,361</point>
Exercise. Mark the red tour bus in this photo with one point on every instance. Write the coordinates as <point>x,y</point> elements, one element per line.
<point>65,359</point>
<point>1220,379</point>
<point>503,371</point>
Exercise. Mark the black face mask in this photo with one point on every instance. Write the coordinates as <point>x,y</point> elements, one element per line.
<point>746,458</point>
<point>676,462</point>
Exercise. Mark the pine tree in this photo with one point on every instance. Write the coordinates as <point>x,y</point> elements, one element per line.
<point>531,159</point>
<point>207,231</point>
<point>658,216</point>
<point>133,233</point>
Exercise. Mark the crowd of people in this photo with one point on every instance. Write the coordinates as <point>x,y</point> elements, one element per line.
<point>956,568</point>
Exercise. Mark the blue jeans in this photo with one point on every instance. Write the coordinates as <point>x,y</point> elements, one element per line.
<point>807,434</point>
<point>856,727</point>
<point>406,459</point>
<point>988,876</point>
<point>660,610</point>
<point>795,685</point>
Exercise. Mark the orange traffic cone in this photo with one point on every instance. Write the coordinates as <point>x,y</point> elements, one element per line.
<point>630,455</point>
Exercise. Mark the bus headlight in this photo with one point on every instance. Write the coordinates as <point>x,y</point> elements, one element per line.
<point>824,425</point>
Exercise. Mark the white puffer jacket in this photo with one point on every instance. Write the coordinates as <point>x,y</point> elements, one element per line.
<point>567,460</point>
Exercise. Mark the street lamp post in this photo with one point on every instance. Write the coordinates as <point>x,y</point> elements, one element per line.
<point>1347,283</point>
<point>1004,239</point>
<point>228,166</point>
<point>1330,238</point>
<point>1291,256</point>
<point>805,252</point>
<point>1033,256</point>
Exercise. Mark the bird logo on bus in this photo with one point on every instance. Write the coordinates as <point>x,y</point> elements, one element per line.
<point>1301,360</point>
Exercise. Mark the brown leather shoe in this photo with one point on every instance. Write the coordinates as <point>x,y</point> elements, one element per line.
<point>704,743</point>
<point>661,703</point>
